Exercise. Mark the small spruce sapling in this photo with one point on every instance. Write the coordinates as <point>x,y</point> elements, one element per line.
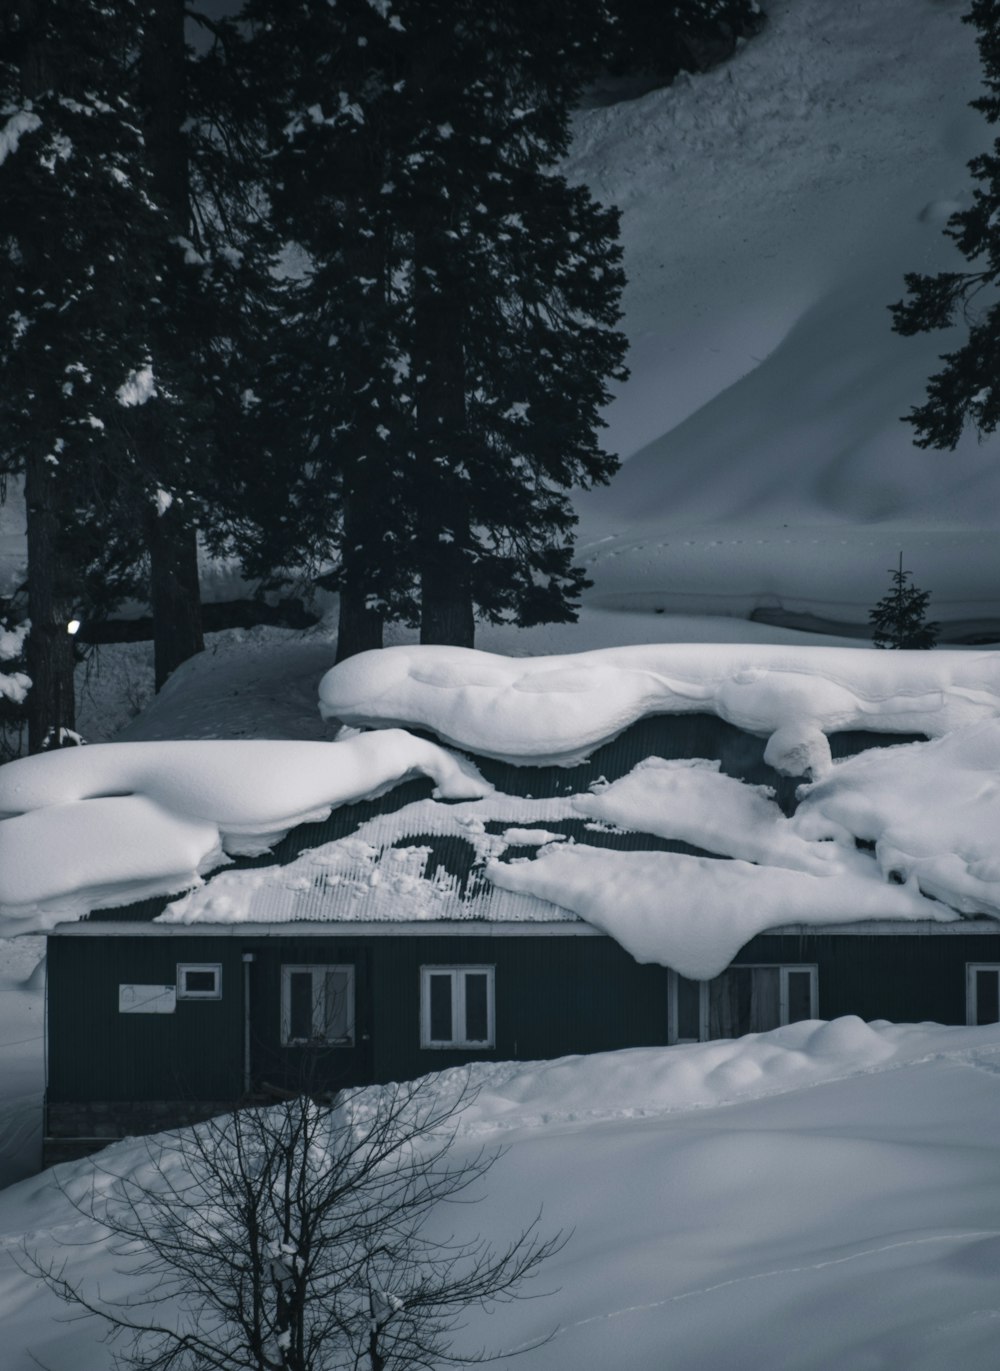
<point>899,619</point>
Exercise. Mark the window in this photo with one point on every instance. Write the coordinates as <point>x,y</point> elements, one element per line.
<point>744,999</point>
<point>982,993</point>
<point>456,1006</point>
<point>199,981</point>
<point>317,1005</point>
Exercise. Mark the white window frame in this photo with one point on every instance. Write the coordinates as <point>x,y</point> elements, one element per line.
<point>672,1015</point>
<point>784,969</point>
<point>183,993</point>
<point>287,971</point>
<point>971,1006</point>
<point>787,969</point>
<point>457,975</point>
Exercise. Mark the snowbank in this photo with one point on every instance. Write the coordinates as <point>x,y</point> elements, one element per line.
<point>824,1186</point>
<point>558,709</point>
<point>648,1082</point>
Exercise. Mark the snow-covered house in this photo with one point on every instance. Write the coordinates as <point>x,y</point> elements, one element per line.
<point>518,858</point>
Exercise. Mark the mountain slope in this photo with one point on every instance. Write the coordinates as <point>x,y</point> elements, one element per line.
<point>770,210</point>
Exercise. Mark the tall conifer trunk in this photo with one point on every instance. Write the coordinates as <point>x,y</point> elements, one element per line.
<point>175,593</point>
<point>51,583</point>
<point>366,483</point>
<point>443,496</point>
<point>51,592</point>
<point>359,628</point>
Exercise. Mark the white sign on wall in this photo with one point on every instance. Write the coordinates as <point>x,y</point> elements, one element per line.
<point>147,999</point>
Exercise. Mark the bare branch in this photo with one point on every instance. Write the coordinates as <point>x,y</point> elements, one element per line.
<point>299,1238</point>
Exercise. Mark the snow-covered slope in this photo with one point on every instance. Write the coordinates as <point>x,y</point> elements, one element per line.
<point>770,210</point>
<point>819,1198</point>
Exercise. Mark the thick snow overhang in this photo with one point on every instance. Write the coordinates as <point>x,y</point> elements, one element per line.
<point>101,826</point>
<point>538,710</point>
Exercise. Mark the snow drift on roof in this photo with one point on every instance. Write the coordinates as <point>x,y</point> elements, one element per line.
<point>252,787</point>
<point>695,913</point>
<point>932,810</point>
<point>693,802</point>
<point>59,863</point>
<point>383,873</point>
<point>535,710</point>
<point>111,823</point>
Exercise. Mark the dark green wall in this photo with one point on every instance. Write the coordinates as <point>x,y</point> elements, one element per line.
<point>905,978</point>
<point>554,996</point>
<point>96,1053</point>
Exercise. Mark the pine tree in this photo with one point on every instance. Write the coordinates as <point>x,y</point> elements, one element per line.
<point>966,391</point>
<point>899,618</point>
<point>516,283</point>
<point>164,431</point>
<point>77,228</point>
<point>455,322</point>
<point>328,79</point>
<point>207,309</point>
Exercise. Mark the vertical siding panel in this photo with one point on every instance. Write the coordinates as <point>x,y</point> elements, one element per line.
<point>196,1052</point>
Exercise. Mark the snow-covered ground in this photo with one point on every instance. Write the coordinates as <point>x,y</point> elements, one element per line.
<point>823,1196</point>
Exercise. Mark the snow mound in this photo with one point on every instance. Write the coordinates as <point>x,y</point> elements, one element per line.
<point>648,1082</point>
<point>108,851</point>
<point>558,709</point>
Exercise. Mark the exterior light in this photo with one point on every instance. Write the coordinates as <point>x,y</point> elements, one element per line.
<point>73,626</point>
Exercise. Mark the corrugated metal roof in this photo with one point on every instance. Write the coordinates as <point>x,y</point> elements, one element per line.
<point>452,862</point>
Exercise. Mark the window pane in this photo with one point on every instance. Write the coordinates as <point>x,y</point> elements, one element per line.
<point>688,1015</point>
<point>987,997</point>
<point>476,1018</point>
<point>726,996</point>
<point>300,1005</point>
<point>799,996</point>
<point>336,1005</point>
<point>765,999</point>
<point>199,982</point>
<point>441,1008</point>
